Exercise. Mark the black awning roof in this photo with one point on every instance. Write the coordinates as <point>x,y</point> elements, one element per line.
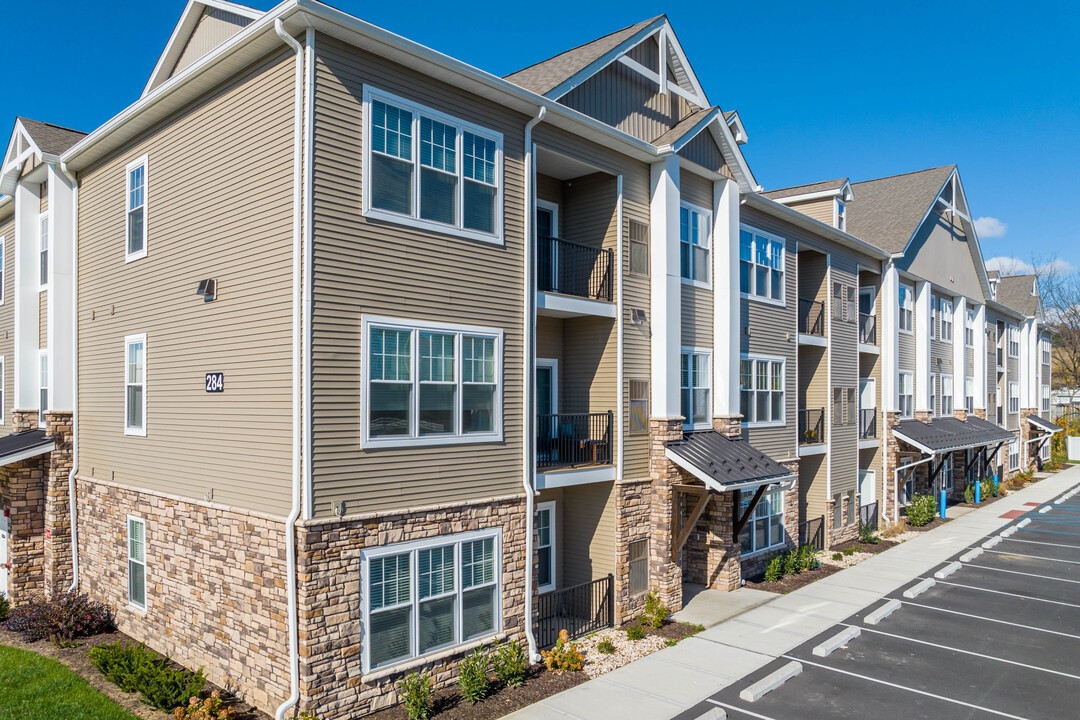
<point>725,464</point>
<point>19,446</point>
<point>948,433</point>
<point>1044,424</point>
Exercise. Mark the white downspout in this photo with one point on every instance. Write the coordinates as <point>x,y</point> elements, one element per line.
<point>528,460</point>
<point>294,512</point>
<point>75,381</point>
<point>620,331</point>
<point>309,264</point>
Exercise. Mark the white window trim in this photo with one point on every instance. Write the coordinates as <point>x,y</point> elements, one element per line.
<point>749,525</point>
<point>416,221</point>
<point>1014,454</point>
<point>127,554</point>
<point>932,401</point>
<point>910,293</point>
<point>43,384</point>
<point>550,507</point>
<point>43,217</point>
<point>945,316</point>
<point>145,162</point>
<point>367,442</point>
<point>688,423</point>
<point>1013,386</point>
<point>911,386</point>
<point>969,328</point>
<point>1010,332</point>
<point>128,341</point>
<point>783,387</point>
<point>458,539</point>
<point>707,215</point>
<point>947,380</point>
<point>782,302</point>
<point>840,216</point>
<point>552,208</point>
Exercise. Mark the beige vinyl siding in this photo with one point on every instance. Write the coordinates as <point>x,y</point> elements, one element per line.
<point>844,365</point>
<point>813,487</point>
<point>814,360</point>
<point>557,496</point>
<point>969,362</point>
<point>941,353</point>
<point>696,190</point>
<point>549,338</point>
<point>588,533</point>
<point>703,150</point>
<point>1012,374</point>
<point>870,367</point>
<point>991,364</point>
<point>7,317</point>
<point>589,367</point>
<point>220,206</point>
<point>551,190</point>
<point>697,303</point>
<point>378,268</point>
<point>213,28</point>
<point>822,209</point>
<point>43,319</point>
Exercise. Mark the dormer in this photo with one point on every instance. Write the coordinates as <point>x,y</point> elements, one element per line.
<point>824,201</point>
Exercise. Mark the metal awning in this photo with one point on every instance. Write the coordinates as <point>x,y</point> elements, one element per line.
<point>24,445</point>
<point>1044,424</point>
<point>949,434</point>
<point>725,465</point>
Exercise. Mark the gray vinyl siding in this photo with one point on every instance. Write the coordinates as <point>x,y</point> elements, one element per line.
<point>220,206</point>
<point>947,264</point>
<point>697,316</point>
<point>382,268</point>
<point>941,353</point>
<point>7,319</point>
<point>213,28</point>
<point>703,150</point>
<point>844,364</point>
<point>906,352</point>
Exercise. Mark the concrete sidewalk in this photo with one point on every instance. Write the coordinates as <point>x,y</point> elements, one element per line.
<point>665,683</point>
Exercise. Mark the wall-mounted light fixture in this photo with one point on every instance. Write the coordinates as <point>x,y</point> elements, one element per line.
<point>208,289</point>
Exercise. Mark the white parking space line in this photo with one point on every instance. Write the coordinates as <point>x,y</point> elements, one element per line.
<point>909,689</point>
<point>983,618</point>
<point>1017,595</point>
<point>1033,557</point>
<point>741,710</point>
<point>1017,572</point>
<point>971,652</point>
<point>1039,542</point>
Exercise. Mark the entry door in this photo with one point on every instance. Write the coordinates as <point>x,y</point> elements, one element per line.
<point>867,487</point>
<point>547,394</point>
<point>4,553</point>
<point>867,393</point>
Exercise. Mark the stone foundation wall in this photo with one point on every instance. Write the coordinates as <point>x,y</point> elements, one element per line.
<point>891,461</point>
<point>215,584</point>
<point>665,575</point>
<point>632,513</point>
<point>57,568</point>
<point>22,492</point>
<point>331,678</point>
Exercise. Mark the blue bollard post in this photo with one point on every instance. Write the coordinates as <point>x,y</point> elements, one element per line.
<point>995,481</point>
<point>942,504</point>
<point>978,491</point>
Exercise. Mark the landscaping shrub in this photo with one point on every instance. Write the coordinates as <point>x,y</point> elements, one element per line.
<point>848,551</point>
<point>635,632</point>
<point>791,563</point>
<point>136,668</point>
<point>969,493</point>
<point>473,675</point>
<point>511,660</point>
<point>566,656</point>
<point>808,559</point>
<point>606,647</point>
<point>61,619</point>
<point>867,534</point>
<point>671,642</point>
<point>922,510</point>
<point>212,708</point>
<point>5,607</point>
<point>897,528</point>
<point>988,490</point>
<point>415,692</point>
<point>774,568</point>
<point>838,556</point>
<point>656,612</point>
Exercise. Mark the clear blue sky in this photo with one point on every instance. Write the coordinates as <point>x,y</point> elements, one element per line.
<point>856,89</point>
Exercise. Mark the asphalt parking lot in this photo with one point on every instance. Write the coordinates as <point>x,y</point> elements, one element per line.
<point>993,632</point>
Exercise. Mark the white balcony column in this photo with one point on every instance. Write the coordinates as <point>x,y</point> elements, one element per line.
<point>27,214</point>
<point>63,196</point>
<point>726,298</point>
<point>666,286</point>
<point>959,382</point>
<point>1026,366</point>
<point>923,320</point>
<point>890,337</point>
<point>980,368</point>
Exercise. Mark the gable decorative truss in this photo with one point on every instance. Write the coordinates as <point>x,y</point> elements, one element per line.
<point>738,130</point>
<point>21,147</point>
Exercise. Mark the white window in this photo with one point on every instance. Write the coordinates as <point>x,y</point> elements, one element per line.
<point>946,395</point>
<point>969,394</point>
<point>969,328</point>
<point>906,389</point>
<point>430,595</point>
<point>1014,454</point>
<point>765,529</point>
<point>907,308</point>
<point>135,245</point>
<point>135,385</point>
<point>430,383</point>
<point>43,252</point>
<point>695,378</point>
<point>946,320</point>
<point>639,406</point>
<point>639,567</point>
<point>1044,343</point>
<point>946,478</point>
<point>1013,337</point>
<point>429,170</point>
<point>136,542</point>
<point>935,319</point>
<point>1044,390</point>
<point>841,216</point>
<point>695,226</point>
<point>761,265</point>
<point>545,546</point>
<point>1014,398</point>
<point>907,492</point>
<point>761,388</point>
<point>932,389</point>
<point>43,386</point>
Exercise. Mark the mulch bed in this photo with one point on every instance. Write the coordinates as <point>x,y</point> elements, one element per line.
<point>880,546</point>
<point>78,659</point>
<point>792,582</point>
<point>668,631</point>
<point>449,705</point>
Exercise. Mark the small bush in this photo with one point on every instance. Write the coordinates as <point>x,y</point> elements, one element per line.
<point>473,675</point>
<point>808,559</point>
<point>791,563</point>
<point>5,607</point>
<point>867,534</point>
<point>897,528</point>
<point>61,619</point>
<point>635,632</point>
<point>969,493</point>
<point>656,612</point>
<point>671,642</point>
<point>922,510</point>
<point>606,647</point>
<point>848,551</point>
<point>774,569</point>
<point>212,708</point>
<point>566,656</point>
<point>838,556</point>
<point>136,668</point>
<point>415,692</point>
<point>987,488</point>
<point>511,661</point>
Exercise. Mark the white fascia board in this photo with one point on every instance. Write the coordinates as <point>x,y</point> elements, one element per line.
<point>919,446</point>
<point>733,156</point>
<point>606,59</point>
<point>779,210</point>
<point>819,195</point>
<point>690,134</point>
<point>676,46</point>
<point>13,159</point>
<point>738,128</point>
<point>27,454</point>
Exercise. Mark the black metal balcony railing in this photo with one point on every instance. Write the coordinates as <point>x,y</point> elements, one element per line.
<point>812,427</point>
<point>579,610</point>
<point>867,423</point>
<point>1000,359</point>
<point>811,317</point>
<point>1000,416</point>
<point>569,440</point>
<point>571,268</point>
<point>867,329</point>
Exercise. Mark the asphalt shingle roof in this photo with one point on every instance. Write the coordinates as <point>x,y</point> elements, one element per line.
<point>949,433</point>
<point>20,442</point>
<point>886,212</point>
<point>805,189</point>
<point>1014,291</point>
<point>682,127</point>
<point>727,461</point>
<point>52,139</point>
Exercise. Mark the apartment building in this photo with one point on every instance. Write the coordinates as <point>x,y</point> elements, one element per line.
<point>333,358</point>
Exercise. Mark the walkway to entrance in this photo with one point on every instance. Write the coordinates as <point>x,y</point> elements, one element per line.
<point>703,606</point>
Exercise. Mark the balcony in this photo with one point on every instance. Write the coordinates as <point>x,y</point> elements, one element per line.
<point>811,320</point>
<point>573,440</point>
<point>867,423</point>
<point>581,275</point>
<point>1000,359</point>
<point>867,329</point>
<point>812,427</point>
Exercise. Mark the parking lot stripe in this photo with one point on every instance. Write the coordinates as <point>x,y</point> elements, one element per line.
<point>908,689</point>
<point>972,652</point>
<point>1002,592</point>
<point>1033,557</point>
<point>1054,532</point>
<point>740,710</point>
<point>1018,572</point>
<point>991,619</point>
<point>1040,542</point>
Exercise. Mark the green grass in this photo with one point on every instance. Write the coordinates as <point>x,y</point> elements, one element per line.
<point>33,687</point>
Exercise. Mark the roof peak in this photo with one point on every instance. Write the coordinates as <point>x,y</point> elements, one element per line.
<point>951,166</point>
<point>24,119</point>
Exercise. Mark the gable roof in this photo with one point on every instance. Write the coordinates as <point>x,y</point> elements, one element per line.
<point>834,187</point>
<point>888,211</point>
<point>50,139</point>
<point>32,138</point>
<point>687,128</point>
<point>993,274</point>
<point>1020,293</point>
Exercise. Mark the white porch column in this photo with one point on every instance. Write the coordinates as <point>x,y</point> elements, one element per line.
<point>725,250</point>
<point>890,337</point>
<point>1027,372</point>
<point>959,355</point>
<point>61,306</point>
<point>666,286</point>
<point>980,368</point>
<point>923,318</point>
<point>27,213</point>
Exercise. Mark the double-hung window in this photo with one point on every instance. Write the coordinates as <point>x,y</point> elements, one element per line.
<point>639,248</point>
<point>946,474</point>
<point>1014,454</point>
<point>431,383</point>
<point>136,210</point>
<point>135,384</point>
<point>932,389</point>
<point>136,542</point>
<point>969,394</point>
<point>946,320</point>
<point>766,529</point>
<point>761,389</point>
<point>1013,341</point>
<point>1014,398</point>
<point>430,595</point>
<point>639,406</point>
<point>969,328</point>
<point>545,546</point>
<point>845,407</point>
<point>43,252</point>
<point>907,309</point>
<point>906,391</point>
<point>841,216</point>
<point>43,386</point>
<point>695,383</point>
<point>639,566</point>
<point>695,227</point>
<point>1044,343</point>
<point>1044,390</point>
<point>761,265</point>
<point>430,170</point>
<point>946,395</point>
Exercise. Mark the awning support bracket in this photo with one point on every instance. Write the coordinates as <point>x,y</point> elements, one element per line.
<point>682,535</point>
<point>741,522</point>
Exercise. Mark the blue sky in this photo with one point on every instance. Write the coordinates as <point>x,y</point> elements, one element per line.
<point>855,89</point>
